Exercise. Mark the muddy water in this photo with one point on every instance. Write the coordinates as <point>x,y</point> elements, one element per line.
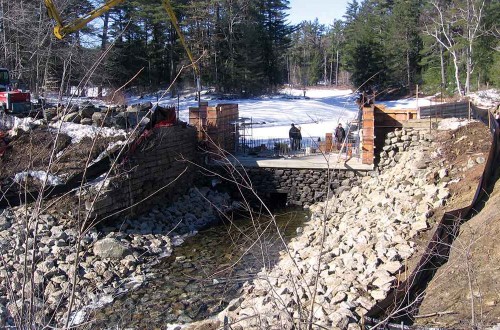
<point>203,274</point>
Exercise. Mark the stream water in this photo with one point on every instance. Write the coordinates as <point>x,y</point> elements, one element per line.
<point>204,274</point>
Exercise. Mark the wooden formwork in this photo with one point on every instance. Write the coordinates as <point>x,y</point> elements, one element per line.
<point>394,118</point>
<point>378,120</point>
<point>327,145</point>
<point>368,139</point>
<point>216,124</point>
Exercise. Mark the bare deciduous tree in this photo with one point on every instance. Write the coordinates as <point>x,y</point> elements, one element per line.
<point>456,26</point>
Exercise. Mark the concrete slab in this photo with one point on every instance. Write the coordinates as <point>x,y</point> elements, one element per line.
<point>305,162</point>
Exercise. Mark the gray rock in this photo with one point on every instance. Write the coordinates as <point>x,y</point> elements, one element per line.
<point>471,163</point>
<point>86,121</point>
<point>98,118</point>
<point>110,248</point>
<point>87,110</point>
<point>120,121</point>
<point>339,297</point>
<point>419,225</point>
<point>378,294</point>
<point>50,113</point>
<point>72,117</point>
<point>392,267</point>
<point>421,165</point>
<point>4,223</point>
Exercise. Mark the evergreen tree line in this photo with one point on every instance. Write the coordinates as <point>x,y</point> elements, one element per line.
<point>451,46</point>
<point>248,47</point>
<point>240,45</point>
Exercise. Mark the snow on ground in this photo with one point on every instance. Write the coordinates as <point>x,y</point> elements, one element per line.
<point>488,98</point>
<point>12,123</point>
<point>317,114</point>
<point>41,176</point>
<point>408,103</point>
<point>77,132</point>
<point>450,124</point>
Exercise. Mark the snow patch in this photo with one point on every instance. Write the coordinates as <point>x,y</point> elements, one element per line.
<point>453,123</point>
<point>489,98</point>
<point>77,132</point>
<point>14,124</point>
<point>408,103</point>
<point>41,176</point>
<point>99,183</point>
<point>109,150</point>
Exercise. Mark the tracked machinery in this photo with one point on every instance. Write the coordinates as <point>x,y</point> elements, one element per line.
<point>62,29</point>
<point>12,100</point>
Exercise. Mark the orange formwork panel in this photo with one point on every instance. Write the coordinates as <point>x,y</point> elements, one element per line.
<point>216,123</point>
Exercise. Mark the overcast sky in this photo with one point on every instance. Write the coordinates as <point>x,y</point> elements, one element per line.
<point>325,10</point>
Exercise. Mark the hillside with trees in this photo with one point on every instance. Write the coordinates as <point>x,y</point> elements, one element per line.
<point>248,47</point>
<point>449,46</point>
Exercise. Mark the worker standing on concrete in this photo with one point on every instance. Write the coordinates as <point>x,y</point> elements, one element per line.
<point>293,134</point>
<point>339,136</point>
<point>299,138</point>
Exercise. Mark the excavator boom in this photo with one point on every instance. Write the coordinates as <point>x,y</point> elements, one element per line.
<point>61,30</point>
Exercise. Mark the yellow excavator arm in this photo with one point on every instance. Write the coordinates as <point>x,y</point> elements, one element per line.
<point>61,30</point>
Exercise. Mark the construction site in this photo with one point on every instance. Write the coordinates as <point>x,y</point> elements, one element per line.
<point>304,208</point>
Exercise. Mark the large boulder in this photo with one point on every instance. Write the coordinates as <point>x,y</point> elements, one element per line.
<point>86,121</point>
<point>139,107</point>
<point>73,117</point>
<point>110,248</point>
<point>87,109</point>
<point>50,113</point>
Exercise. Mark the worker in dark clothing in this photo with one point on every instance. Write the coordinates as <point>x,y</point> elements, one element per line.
<point>298,145</point>
<point>339,136</point>
<point>293,134</point>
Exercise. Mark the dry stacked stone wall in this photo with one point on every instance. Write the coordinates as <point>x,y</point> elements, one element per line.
<point>303,186</point>
<point>158,171</point>
<point>405,139</point>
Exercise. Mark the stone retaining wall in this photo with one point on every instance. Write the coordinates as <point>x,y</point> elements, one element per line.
<point>348,255</point>
<point>401,140</point>
<point>303,186</point>
<point>147,176</point>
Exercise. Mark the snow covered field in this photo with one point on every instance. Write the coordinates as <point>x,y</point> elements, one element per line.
<point>317,114</point>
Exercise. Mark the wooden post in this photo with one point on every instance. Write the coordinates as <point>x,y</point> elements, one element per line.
<point>468,105</point>
<point>489,119</point>
<point>368,135</point>
<point>416,93</point>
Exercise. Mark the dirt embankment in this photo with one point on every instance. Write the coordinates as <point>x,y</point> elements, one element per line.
<point>463,153</point>
<point>467,288</point>
<point>465,292</point>
<point>32,151</point>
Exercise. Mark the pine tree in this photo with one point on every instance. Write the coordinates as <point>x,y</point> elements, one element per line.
<point>404,43</point>
<point>364,47</point>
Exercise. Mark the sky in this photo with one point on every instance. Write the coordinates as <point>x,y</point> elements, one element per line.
<point>325,10</point>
